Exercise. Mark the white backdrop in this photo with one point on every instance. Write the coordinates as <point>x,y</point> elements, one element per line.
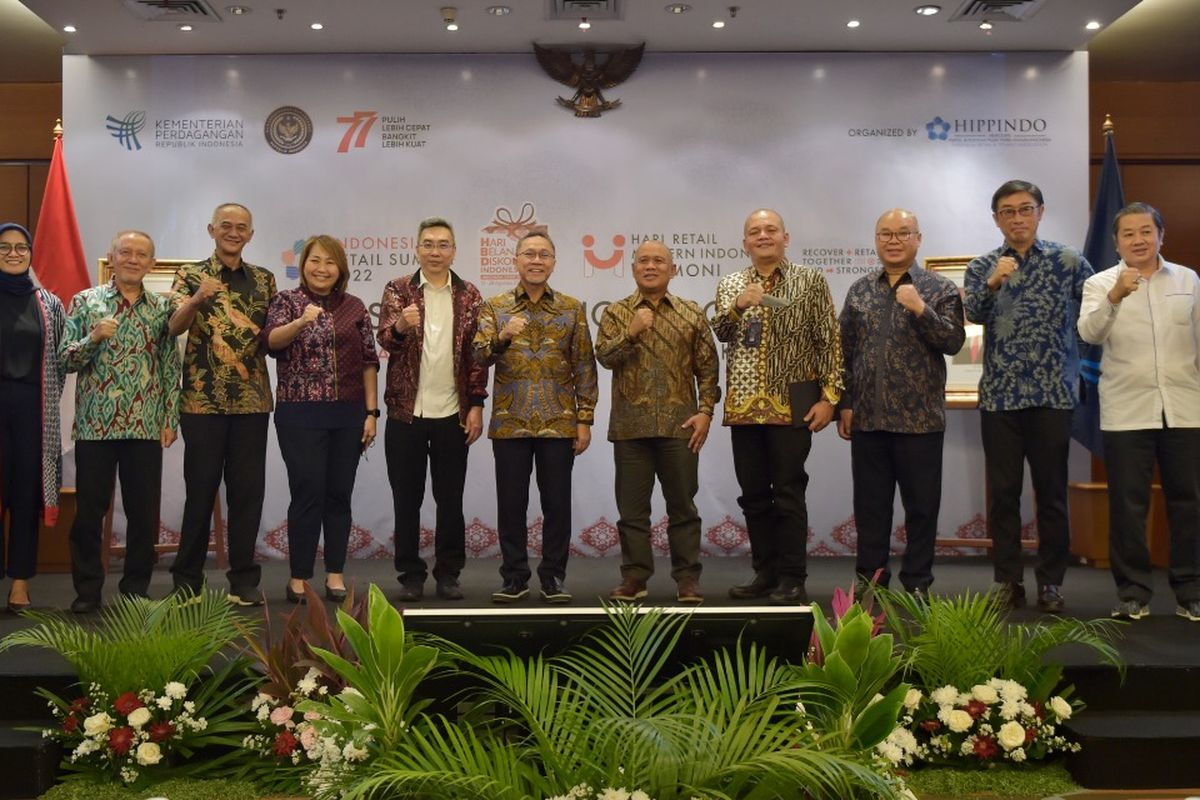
<point>700,140</point>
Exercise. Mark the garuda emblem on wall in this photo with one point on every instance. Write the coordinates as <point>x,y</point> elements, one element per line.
<point>587,71</point>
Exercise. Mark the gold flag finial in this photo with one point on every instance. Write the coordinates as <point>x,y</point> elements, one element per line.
<point>57,129</point>
<point>1107,127</point>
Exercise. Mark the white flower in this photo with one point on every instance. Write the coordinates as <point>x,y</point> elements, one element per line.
<point>875,699</point>
<point>1010,710</point>
<point>1017,754</point>
<point>614,794</point>
<point>175,690</point>
<point>129,774</point>
<point>1012,692</point>
<point>967,747</point>
<point>959,720</point>
<point>984,693</point>
<point>1012,734</point>
<point>164,703</point>
<point>139,716</point>
<point>148,753</point>
<point>261,699</point>
<point>263,713</point>
<point>97,724</point>
<point>945,696</point>
<point>85,747</point>
<point>189,707</point>
<point>350,691</point>
<point>352,753</point>
<point>1060,707</point>
<point>1027,710</point>
<point>912,698</point>
<point>638,794</point>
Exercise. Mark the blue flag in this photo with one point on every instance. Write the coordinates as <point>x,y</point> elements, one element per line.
<point>1101,252</point>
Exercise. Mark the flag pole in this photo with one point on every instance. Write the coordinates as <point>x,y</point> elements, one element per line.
<point>58,129</point>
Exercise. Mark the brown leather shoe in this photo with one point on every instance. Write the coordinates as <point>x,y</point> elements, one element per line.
<point>688,590</point>
<point>631,589</point>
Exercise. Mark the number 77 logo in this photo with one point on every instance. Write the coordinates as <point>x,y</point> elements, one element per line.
<point>360,122</point>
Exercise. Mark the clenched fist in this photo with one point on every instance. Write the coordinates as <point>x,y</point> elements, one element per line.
<point>752,295</point>
<point>1005,267</point>
<point>1127,284</point>
<point>310,314</point>
<point>513,328</point>
<point>643,320</point>
<point>104,329</point>
<point>908,296</point>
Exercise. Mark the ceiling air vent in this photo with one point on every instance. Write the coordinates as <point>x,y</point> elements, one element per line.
<point>592,9</point>
<point>997,10</point>
<point>172,10</point>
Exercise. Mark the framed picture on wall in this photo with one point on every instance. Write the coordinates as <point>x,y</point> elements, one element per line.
<point>964,368</point>
<point>158,280</point>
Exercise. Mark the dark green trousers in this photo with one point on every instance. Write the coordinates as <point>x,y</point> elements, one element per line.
<point>638,463</point>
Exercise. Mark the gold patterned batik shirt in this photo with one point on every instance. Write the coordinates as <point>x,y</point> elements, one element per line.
<point>767,349</point>
<point>656,374</point>
<point>225,366</point>
<point>545,382</point>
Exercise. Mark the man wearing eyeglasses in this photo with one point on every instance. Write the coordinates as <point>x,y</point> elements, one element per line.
<point>545,402</point>
<point>434,395</point>
<point>897,326</point>
<point>1027,294</point>
<point>783,378</point>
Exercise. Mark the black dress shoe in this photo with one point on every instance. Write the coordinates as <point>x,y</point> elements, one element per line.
<point>790,592</point>
<point>334,594</point>
<point>295,597</point>
<point>83,605</point>
<point>762,585</point>
<point>448,589</point>
<point>1050,599</point>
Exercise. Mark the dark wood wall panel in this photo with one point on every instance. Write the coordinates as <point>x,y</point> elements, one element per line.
<point>30,110</point>
<point>14,193</point>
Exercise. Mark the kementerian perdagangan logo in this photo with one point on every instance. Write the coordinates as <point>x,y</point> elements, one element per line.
<point>289,257</point>
<point>125,130</point>
<point>938,129</point>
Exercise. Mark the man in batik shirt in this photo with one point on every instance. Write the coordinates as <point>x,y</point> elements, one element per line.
<point>784,377</point>
<point>222,304</point>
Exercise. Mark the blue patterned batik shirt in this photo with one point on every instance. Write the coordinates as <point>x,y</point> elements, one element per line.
<point>1031,353</point>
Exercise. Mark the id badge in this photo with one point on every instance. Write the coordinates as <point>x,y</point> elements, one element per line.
<point>754,331</point>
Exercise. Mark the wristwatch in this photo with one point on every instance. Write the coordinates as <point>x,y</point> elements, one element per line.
<point>373,412</point>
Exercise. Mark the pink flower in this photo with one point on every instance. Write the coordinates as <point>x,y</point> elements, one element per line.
<point>309,716</point>
<point>282,715</point>
<point>308,737</point>
<point>120,740</point>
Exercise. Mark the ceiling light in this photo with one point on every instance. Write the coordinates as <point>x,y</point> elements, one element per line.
<point>584,25</point>
<point>853,23</point>
<point>678,8</point>
<point>499,11</point>
<point>185,28</point>
<point>927,11</point>
<point>719,23</point>
<point>238,11</point>
<point>985,26</point>
<point>68,28</point>
<point>450,18</point>
<point>1093,26</point>
<point>316,26</point>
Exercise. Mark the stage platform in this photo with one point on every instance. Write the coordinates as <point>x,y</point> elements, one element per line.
<point>1142,734</point>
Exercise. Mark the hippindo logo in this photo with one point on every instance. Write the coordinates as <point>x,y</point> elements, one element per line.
<point>938,129</point>
<point>288,130</point>
<point>593,262</point>
<point>125,130</point>
<point>360,123</point>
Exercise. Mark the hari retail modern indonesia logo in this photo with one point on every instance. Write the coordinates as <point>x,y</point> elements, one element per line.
<point>125,130</point>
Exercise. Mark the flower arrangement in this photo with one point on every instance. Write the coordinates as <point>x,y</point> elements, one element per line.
<point>126,735</point>
<point>993,722</point>
<point>585,792</point>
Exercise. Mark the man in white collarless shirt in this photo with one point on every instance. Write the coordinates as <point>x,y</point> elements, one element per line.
<point>434,395</point>
<point>1146,313</point>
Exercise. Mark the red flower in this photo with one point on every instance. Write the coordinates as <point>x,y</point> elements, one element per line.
<point>126,703</point>
<point>1030,735</point>
<point>161,731</point>
<point>976,708</point>
<point>931,726</point>
<point>285,743</point>
<point>985,747</point>
<point>70,724</point>
<point>1039,710</point>
<point>78,705</point>
<point>120,740</point>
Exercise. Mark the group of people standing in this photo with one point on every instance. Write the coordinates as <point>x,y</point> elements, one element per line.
<point>793,366</point>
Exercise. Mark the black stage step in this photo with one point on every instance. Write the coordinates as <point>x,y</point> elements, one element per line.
<point>1136,749</point>
<point>28,762</point>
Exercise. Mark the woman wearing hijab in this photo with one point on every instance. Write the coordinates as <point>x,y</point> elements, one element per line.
<point>31,383</point>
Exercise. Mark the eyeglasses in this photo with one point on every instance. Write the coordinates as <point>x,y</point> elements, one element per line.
<point>1024,211</point>
<point>530,255</point>
<point>20,248</point>
<point>899,236</point>
<point>444,247</point>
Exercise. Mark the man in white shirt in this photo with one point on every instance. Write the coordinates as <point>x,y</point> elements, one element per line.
<point>1146,313</point>
<point>434,394</point>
